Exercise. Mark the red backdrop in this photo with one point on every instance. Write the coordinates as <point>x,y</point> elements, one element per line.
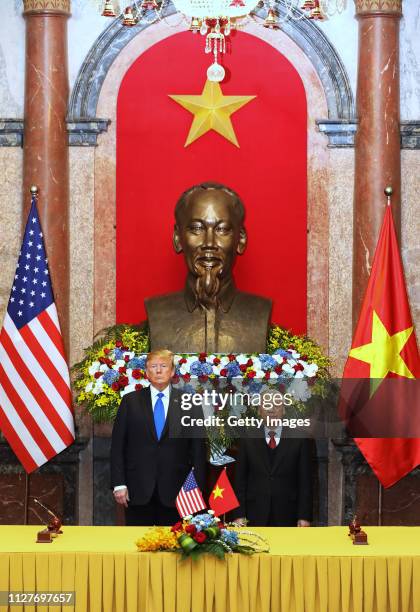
<point>268,171</point>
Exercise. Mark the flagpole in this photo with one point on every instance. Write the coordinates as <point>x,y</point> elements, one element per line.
<point>26,498</point>
<point>379,504</point>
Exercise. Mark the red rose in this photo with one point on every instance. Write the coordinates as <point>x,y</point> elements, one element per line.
<point>203,378</point>
<point>98,374</point>
<point>122,370</point>
<point>138,387</point>
<point>223,372</point>
<point>186,377</point>
<point>267,375</point>
<point>126,358</point>
<point>298,367</point>
<point>123,381</point>
<point>124,348</point>
<point>176,527</point>
<point>106,351</point>
<point>191,529</point>
<point>249,363</point>
<point>200,537</point>
<point>304,357</point>
<point>115,386</point>
<point>101,360</point>
<point>175,379</point>
<point>182,360</point>
<point>243,367</point>
<point>137,374</point>
<point>278,369</point>
<point>202,357</point>
<point>231,357</point>
<point>216,361</point>
<point>252,374</point>
<point>312,380</point>
<point>118,344</point>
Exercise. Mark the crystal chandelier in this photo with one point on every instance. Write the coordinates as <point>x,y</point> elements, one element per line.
<point>215,19</point>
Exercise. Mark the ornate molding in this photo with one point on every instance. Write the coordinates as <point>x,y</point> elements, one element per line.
<point>306,34</point>
<point>41,6</point>
<point>11,132</point>
<point>84,132</point>
<point>340,133</point>
<point>382,7</point>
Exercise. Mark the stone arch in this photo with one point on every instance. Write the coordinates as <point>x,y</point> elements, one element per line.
<point>304,32</point>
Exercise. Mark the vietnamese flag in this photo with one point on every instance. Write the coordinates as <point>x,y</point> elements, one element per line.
<point>222,498</point>
<point>384,347</point>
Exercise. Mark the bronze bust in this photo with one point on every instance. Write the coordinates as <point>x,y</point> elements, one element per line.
<point>211,314</point>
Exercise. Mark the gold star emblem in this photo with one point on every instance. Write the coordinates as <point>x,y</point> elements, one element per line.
<point>383,352</point>
<point>217,492</point>
<point>212,111</point>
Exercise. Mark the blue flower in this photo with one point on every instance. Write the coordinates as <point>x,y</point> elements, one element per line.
<point>110,376</point>
<point>137,363</point>
<point>202,521</point>
<point>267,361</point>
<point>199,368</point>
<point>118,354</point>
<point>283,353</point>
<point>233,369</point>
<point>230,537</point>
<point>254,386</point>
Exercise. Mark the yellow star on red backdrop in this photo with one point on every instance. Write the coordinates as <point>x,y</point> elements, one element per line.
<point>217,492</point>
<point>383,352</point>
<point>212,111</point>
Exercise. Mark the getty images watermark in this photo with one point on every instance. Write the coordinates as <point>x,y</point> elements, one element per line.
<point>269,408</point>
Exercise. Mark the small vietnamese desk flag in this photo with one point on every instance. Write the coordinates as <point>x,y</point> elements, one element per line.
<point>36,415</point>
<point>384,346</point>
<point>223,498</point>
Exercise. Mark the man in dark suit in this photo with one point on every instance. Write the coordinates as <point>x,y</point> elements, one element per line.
<point>273,477</point>
<point>151,454</point>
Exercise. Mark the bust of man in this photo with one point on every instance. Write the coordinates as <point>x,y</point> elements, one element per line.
<point>210,314</point>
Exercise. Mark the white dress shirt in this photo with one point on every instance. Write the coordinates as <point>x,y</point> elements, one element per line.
<point>165,399</point>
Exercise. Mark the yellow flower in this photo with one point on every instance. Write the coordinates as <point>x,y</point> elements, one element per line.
<point>157,538</point>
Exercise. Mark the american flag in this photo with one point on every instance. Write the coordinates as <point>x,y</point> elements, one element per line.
<point>36,415</point>
<point>190,498</point>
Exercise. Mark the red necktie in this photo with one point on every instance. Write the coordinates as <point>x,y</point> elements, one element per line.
<point>272,442</point>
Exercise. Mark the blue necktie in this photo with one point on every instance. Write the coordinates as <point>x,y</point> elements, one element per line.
<point>159,415</point>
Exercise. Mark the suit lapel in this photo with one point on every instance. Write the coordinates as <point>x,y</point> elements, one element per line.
<point>149,413</point>
<point>280,452</point>
<point>261,450</point>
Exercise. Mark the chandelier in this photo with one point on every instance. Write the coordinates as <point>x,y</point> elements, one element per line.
<point>215,19</point>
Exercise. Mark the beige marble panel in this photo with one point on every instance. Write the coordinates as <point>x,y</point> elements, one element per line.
<point>341,177</point>
<point>410,229</point>
<point>10,219</point>
<point>81,249</point>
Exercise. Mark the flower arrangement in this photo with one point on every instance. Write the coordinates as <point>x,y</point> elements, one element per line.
<point>202,533</point>
<point>115,365</point>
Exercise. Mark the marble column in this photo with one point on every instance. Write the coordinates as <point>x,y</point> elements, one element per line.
<point>45,149</point>
<point>377,143</point>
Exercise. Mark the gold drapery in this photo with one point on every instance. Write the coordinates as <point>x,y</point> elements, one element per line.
<point>316,569</point>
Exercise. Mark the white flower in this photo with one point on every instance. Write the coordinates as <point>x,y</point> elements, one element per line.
<point>128,389</point>
<point>94,368</point>
<point>120,363</point>
<point>97,388</point>
<point>224,360</point>
<point>311,369</point>
<point>299,389</point>
<point>241,359</point>
<point>287,368</point>
<point>89,387</point>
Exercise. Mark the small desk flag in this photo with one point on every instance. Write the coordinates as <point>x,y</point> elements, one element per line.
<point>223,498</point>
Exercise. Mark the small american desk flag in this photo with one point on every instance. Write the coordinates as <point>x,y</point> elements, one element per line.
<point>36,415</point>
<point>190,498</point>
